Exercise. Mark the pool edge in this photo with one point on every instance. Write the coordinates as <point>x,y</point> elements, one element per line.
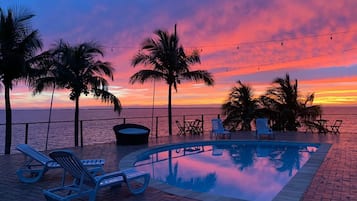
<point>297,186</point>
<point>293,190</point>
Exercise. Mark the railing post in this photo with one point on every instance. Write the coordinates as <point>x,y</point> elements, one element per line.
<point>218,116</point>
<point>26,133</point>
<point>202,118</point>
<point>124,120</point>
<point>183,122</point>
<point>81,124</point>
<point>157,125</point>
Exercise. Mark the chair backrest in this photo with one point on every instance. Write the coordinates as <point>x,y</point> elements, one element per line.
<point>31,152</point>
<point>337,123</point>
<point>217,125</point>
<point>262,124</point>
<point>179,124</point>
<point>198,122</point>
<point>73,166</point>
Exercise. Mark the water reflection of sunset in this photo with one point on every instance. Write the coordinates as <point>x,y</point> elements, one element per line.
<point>239,171</point>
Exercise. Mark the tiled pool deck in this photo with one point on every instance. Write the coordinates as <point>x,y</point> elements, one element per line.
<point>336,179</point>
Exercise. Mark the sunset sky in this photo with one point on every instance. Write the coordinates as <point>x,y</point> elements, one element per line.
<point>254,41</point>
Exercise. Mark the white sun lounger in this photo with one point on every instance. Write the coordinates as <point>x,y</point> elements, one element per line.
<point>262,128</point>
<point>218,129</point>
<point>37,164</point>
<point>85,184</point>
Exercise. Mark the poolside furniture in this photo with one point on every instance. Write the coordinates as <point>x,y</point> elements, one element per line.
<point>262,128</point>
<point>321,125</point>
<point>131,134</point>
<point>335,128</point>
<point>218,129</point>
<point>85,184</point>
<point>318,125</point>
<point>309,125</point>
<point>37,164</point>
<point>181,128</point>
<point>198,128</point>
<point>194,127</point>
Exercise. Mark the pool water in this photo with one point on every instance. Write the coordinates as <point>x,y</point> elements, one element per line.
<point>250,171</point>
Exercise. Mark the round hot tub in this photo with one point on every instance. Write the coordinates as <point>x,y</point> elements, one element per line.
<point>131,134</point>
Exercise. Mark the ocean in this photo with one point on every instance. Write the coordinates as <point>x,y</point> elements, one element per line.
<point>97,123</point>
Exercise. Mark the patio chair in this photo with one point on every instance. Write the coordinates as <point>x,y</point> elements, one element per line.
<point>335,128</point>
<point>181,128</point>
<point>37,164</point>
<point>87,185</point>
<point>218,129</point>
<point>198,127</point>
<point>262,128</point>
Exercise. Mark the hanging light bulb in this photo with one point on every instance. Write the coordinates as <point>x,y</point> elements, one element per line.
<point>282,43</point>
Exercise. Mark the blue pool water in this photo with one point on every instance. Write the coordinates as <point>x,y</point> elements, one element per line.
<point>242,170</point>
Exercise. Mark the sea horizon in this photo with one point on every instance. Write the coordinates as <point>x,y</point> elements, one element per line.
<point>150,106</point>
<point>58,128</point>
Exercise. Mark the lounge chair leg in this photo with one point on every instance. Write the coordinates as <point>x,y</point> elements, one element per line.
<point>29,175</point>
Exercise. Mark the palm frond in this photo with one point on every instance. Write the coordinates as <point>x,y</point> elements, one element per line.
<point>143,75</point>
<point>107,97</point>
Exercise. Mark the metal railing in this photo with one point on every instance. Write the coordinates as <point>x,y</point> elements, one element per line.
<point>94,131</point>
<point>35,132</point>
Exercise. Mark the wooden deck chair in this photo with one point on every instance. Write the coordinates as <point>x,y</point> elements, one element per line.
<point>87,185</point>
<point>37,164</point>
<point>218,129</point>
<point>181,128</point>
<point>262,128</point>
<point>335,128</point>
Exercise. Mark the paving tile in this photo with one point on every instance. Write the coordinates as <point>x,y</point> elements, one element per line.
<point>335,179</point>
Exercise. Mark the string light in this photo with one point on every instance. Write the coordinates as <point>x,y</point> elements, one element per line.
<point>281,41</point>
<point>241,46</point>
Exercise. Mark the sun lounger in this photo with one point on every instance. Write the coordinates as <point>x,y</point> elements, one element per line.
<point>262,128</point>
<point>37,164</point>
<point>218,130</point>
<point>85,184</point>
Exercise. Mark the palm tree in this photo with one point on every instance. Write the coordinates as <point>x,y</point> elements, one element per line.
<point>169,62</point>
<point>77,69</point>
<point>285,105</point>
<point>240,108</point>
<point>18,44</point>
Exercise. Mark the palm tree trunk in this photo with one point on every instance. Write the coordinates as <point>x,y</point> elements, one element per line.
<point>76,119</point>
<point>8,129</point>
<point>170,110</point>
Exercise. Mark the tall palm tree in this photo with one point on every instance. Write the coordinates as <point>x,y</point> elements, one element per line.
<point>169,63</point>
<point>77,69</point>
<point>240,108</point>
<point>286,106</point>
<point>18,44</point>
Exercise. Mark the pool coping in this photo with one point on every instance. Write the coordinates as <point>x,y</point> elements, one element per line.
<point>292,191</point>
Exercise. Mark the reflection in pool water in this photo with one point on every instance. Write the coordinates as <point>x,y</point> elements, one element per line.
<point>251,171</point>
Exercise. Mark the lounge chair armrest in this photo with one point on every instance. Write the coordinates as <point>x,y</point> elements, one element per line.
<point>110,178</point>
<point>109,175</point>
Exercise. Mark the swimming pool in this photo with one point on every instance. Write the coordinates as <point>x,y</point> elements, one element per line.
<point>249,170</point>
